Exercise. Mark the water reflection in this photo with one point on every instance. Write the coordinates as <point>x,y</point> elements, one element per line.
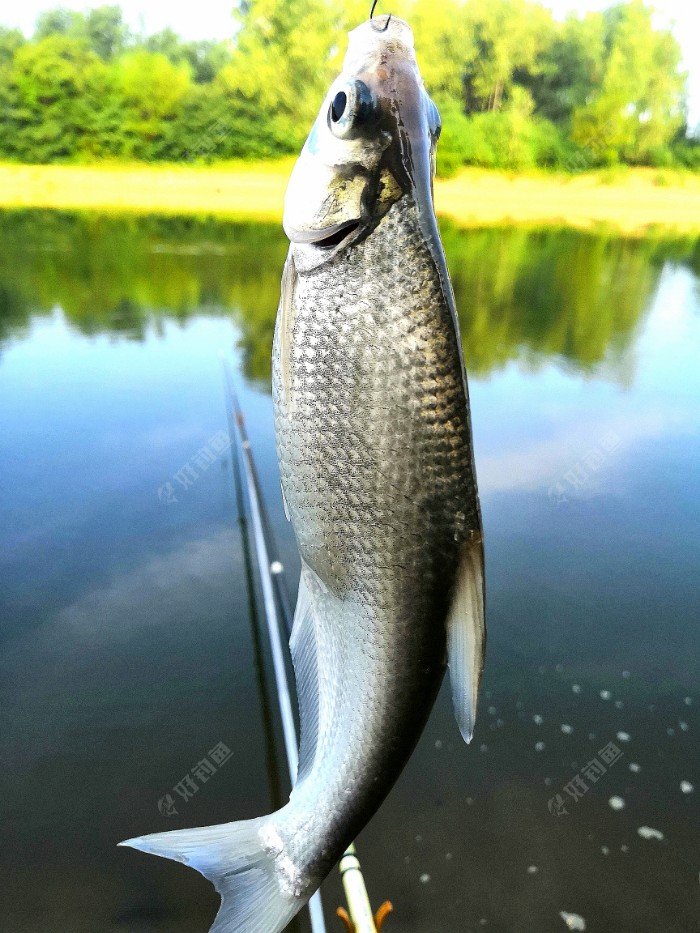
<point>574,296</point>
<point>126,650</point>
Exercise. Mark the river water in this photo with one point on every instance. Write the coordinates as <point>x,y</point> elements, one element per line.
<point>134,690</point>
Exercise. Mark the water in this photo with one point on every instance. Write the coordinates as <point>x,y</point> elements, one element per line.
<point>127,653</point>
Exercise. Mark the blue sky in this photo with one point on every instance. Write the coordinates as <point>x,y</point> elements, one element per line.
<point>208,19</point>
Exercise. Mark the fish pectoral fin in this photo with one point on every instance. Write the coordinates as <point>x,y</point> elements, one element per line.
<point>286,323</point>
<point>466,636</point>
<point>302,644</point>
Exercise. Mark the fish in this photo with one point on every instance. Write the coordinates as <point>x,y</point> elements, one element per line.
<point>375,450</point>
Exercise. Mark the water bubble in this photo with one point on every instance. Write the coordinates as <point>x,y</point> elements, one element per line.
<point>624,848</point>
<point>619,704</point>
<point>634,767</point>
<point>492,710</point>
<point>483,748</point>
<point>576,688</point>
<point>646,832</point>
<point>617,803</point>
<point>687,787</point>
<point>566,728</point>
<point>605,694</point>
<point>419,838</point>
<point>537,719</point>
<point>623,736</point>
<point>688,701</point>
<point>670,731</point>
<point>591,736</point>
<point>626,675</point>
<point>683,726</point>
<point>539,746</point>
<point>573,921</point>
<point>438,743</point>
<point>499,723</point>
<point>559,668</point>
<point>519,704</point>
<point>448,856</point>
<point>424,878</point>
<point>548,782</point>
<point>605,850</point>
<point>532,869</point>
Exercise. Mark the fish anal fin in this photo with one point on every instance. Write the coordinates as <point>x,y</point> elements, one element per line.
<point>466,635</point>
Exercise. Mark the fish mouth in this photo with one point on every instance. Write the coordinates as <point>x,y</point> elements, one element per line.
<point>328,237</point>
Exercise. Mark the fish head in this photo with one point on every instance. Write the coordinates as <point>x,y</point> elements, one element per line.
<point>373,141</point>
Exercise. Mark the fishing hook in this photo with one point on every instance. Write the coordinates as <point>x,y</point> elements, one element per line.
<point>371,16</point>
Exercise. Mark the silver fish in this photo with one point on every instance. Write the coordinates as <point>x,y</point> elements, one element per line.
<point>375,452</point>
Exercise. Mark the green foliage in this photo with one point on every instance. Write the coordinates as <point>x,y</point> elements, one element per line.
<point>151,89</point>
<point>516,88</point>
<point>637,106</point>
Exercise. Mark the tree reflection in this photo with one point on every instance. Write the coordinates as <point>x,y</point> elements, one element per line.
<point>532,295</point>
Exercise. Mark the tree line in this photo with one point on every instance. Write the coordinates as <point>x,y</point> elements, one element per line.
<point>516,88</point>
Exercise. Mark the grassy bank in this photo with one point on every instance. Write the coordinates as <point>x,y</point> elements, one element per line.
<point>629,201</point>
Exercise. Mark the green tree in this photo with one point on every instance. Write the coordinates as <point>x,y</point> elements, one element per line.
<point>58,90</point>
<point>59,22</point>
<point>282,66</point>
<point>639,104</point>
<point>205,58</point>
<point>106,32</point>
<point>445,46</point>
<point>508,38</point>
<point>153,90</point>
<point>570,68</point>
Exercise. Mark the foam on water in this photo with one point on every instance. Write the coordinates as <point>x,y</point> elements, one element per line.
<point>647,832</point>
<point>573,921</point>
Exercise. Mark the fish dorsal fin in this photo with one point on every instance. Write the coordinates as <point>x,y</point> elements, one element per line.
<point>466,636</point>
<point>302,644</point>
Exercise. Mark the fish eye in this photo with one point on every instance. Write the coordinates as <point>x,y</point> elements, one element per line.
<point>338,106</point>
<point>351,108</point>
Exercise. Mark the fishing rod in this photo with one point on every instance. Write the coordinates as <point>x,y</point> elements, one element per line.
<point>254,618</point>
<point>318,924</point>
<point>360,918</point>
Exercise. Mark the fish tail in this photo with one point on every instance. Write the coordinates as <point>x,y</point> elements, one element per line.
<point>239,859</point>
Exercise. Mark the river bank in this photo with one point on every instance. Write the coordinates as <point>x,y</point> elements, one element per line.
<point>629,201</point>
